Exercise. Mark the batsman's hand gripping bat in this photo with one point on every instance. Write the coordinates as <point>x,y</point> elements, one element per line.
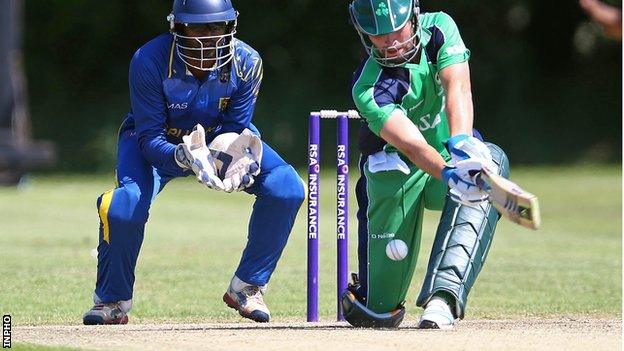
<point>510,200</point>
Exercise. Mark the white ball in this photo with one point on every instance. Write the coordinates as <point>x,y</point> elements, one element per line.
<point>396,250</point>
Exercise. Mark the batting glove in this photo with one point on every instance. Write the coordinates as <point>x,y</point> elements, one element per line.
<point>194,154</point>
<point>463,147</point>
<point>462,179</point>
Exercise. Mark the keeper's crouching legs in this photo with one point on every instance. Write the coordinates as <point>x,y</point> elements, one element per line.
<point>461,246</point>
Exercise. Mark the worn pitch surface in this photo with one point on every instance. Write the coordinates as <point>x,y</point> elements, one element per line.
<point>570,333</point>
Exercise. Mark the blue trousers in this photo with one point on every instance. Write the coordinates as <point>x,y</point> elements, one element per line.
<point>124,212</point>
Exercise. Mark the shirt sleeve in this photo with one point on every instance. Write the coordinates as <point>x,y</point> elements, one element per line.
<point>377,93</point>
<point>149,110</point>
<point>240,110</point>
<point>452,49</point>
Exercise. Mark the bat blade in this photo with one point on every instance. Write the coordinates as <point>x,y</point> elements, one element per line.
<point>511,201</point>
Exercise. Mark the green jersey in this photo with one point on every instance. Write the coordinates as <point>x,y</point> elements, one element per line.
<point>415,88</point>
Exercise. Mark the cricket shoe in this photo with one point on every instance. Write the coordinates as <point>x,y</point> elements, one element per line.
<point>437,315</point>
<point>105,313</point>
<point>247,300</point>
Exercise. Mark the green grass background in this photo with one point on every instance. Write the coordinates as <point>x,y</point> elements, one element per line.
<point>195,237</point>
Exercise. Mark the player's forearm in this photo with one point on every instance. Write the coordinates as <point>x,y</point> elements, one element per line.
<point>400,132</point>
<point>159,153</point>
<point>459,110</point>
<point>426,158</point>
<point>459,107</point>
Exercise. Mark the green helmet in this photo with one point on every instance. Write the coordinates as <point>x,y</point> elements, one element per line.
<point>378,17</point>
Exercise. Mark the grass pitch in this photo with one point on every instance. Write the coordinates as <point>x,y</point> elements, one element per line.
<point>195,237</point>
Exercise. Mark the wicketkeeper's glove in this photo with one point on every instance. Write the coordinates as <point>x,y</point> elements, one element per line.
<point>194,154</point>
<point>238,158</point>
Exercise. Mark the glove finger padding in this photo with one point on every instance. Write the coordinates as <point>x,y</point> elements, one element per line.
<point>194,154</point>
<point>250,146</point>
<point>462,180</point>
<point>207,176</point>
<point>238,181</point>
<point>239,157</point>
<point>469,169</point>
<point>255,148</point>
<point>463,147</point>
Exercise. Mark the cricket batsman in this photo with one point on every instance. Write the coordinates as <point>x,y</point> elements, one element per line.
<point>193,91</point>
<point>419,151</point>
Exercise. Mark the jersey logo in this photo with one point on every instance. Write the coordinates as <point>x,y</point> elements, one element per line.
<point>182,106</point>
<point>223,103</point>
<point>425,123</point>
<point>178,132</point>
<point>382,10</point>
<point>456,49</point>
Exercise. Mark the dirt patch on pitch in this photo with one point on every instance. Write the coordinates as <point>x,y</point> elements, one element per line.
<point>526,334</point>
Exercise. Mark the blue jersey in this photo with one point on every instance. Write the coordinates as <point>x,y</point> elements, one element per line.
<point>167,101</point>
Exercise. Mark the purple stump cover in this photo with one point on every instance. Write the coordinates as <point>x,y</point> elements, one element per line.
<point>342,209</point>
<point>313,215</point>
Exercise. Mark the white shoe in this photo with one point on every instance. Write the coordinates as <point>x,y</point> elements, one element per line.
<point>247,300</point>
<point>437,315</point>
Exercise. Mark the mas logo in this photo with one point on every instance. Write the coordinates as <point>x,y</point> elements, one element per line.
<point>223,103</point>
<point>382,10</point>
<point>182,106</point>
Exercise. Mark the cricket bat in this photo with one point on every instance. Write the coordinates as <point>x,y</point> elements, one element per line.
<point>511,201</point>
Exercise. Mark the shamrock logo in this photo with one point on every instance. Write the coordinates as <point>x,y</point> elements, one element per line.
<point>382,10</point>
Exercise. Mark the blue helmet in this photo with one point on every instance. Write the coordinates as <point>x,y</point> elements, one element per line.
<point>203,11</point>
<point>206,52</point>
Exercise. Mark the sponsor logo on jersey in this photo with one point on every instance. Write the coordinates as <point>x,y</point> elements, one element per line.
<point>426,123</point>
<point>178,132</point>
<point>182,106</point>
<point>456,49</point>
<point>223,103</point>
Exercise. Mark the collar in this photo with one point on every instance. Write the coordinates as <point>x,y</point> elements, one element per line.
<point>425,35</point>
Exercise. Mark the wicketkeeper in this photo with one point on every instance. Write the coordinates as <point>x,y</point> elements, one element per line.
<point>188,87</point>
<point>418,151</point>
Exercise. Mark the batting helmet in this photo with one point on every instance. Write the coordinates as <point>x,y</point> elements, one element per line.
<point>379,17</point>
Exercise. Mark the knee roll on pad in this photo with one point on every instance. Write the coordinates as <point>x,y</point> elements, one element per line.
<point>461,245</point>
<point>359,316</point>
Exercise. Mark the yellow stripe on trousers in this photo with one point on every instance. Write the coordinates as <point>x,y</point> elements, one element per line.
<point>107,197</point>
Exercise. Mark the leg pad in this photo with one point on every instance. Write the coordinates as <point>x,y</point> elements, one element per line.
<point>461,245</point>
